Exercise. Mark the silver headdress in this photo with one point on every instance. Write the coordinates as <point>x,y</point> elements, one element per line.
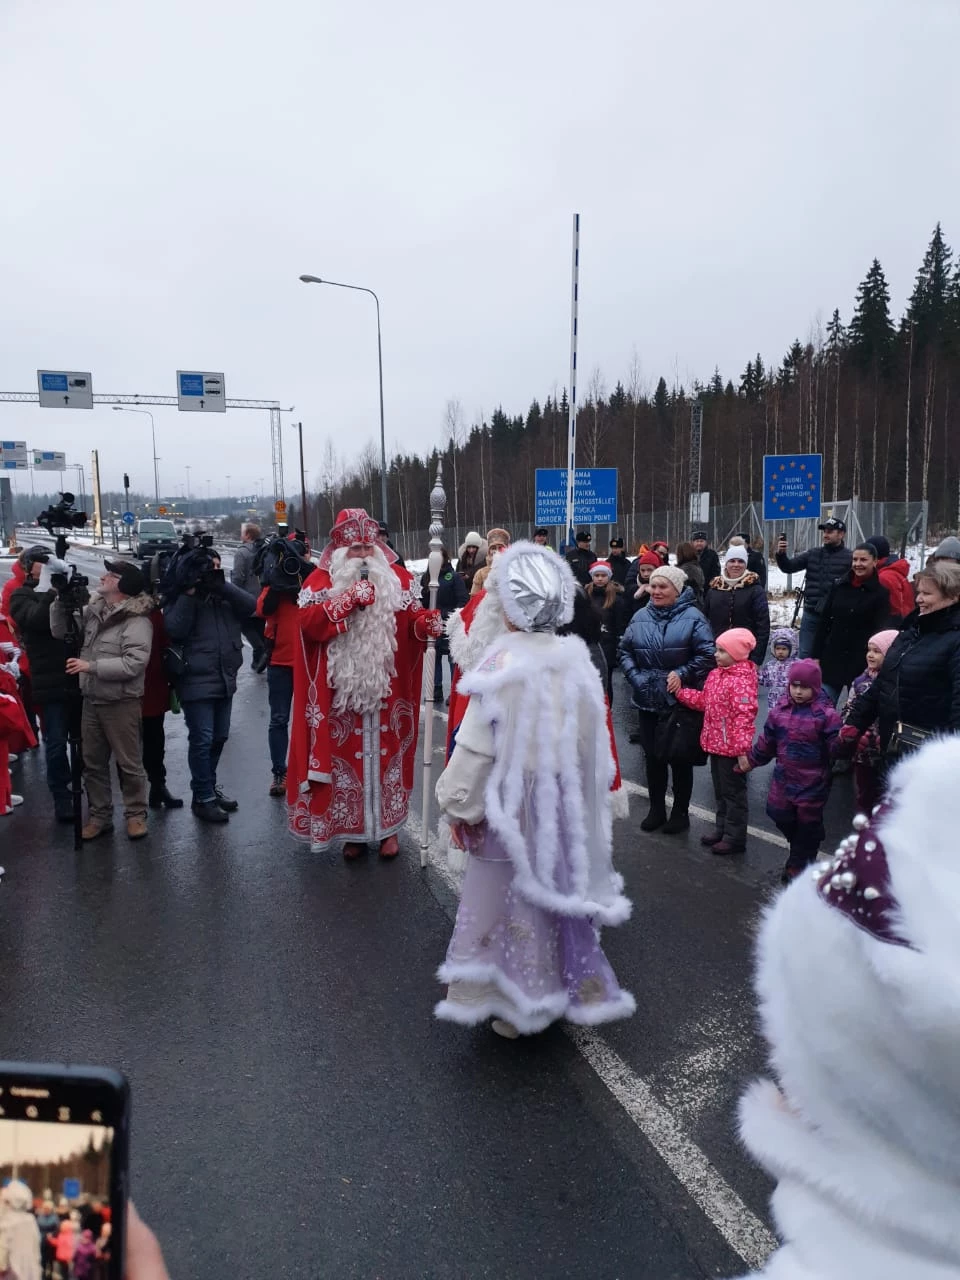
<point>535,586</point>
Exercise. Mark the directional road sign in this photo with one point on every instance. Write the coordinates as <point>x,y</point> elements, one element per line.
<point>13,455</point>
<point>47,460</point>
<point>72,1188</point>
<point>201,392</point>
<point>280,508</point>
<point>128,518</point>
<point>792,486</point>
<point>594,495</point>
<point>62,390</point>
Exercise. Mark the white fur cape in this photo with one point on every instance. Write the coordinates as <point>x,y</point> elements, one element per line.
<point>863,1134</point>
<point>552,770</point>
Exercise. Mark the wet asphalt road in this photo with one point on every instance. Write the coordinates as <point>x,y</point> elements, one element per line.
<point>297,1110</point>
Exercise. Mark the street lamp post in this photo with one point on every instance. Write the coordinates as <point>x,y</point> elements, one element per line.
<point>303,480</point>
<point>359,288</point>
<point>121,408</point>
<point>187,499</point>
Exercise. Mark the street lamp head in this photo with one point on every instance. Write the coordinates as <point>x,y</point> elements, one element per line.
<point>311,280</point>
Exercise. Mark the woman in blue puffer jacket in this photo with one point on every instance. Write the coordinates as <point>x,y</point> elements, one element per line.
<point>668,643</point>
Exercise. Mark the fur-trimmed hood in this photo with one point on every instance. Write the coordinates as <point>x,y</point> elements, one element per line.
<point>864,1031</point>
<point>139,606</point>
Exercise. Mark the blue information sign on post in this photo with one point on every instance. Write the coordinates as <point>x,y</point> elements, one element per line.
<point>594,496</point>
<point>792,486</point>
<point>128,518</point>
<point>72,1188</point>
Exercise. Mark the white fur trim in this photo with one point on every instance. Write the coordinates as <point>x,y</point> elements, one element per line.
<point>488,624</point>
<point>499,997</point>
<point>620,804</point>
<point>543,699</point>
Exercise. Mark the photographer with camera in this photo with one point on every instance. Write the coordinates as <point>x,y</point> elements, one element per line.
<point>245,574</point>
<point>117,636</point>
<point>203,615</point>
<point>284,567</point>
<point>55,694</point>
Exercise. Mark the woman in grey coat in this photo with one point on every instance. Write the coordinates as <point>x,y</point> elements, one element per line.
<point>203,616</point>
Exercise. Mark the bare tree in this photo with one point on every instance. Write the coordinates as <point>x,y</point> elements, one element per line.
<point>455,434</point>
<point>596,424</point>
<point>331,478</point>
<point>635,391</point>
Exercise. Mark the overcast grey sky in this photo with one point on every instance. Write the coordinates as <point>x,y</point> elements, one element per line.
<point>169,169</point>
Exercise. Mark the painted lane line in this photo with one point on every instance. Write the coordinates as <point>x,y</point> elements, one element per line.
<point>739,1226</point>
<point>635,789</point>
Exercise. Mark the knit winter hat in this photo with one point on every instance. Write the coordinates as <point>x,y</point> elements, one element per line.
<point>600,566</point>
<point>473,539</point>
<point>651,558</point>
<point>883,640</point>
<point>498,535</point>
<point>735,553</point>
<point>881,544</point>
<point>669,573</point>
<point>738,642</point>
<point>949,549</point>
<point>806,672</point>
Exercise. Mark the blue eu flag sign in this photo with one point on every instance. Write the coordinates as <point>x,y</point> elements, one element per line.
<point>792,487</point>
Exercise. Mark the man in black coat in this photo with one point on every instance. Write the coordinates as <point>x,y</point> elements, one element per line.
<point>203,615</point>
<point>709,560</point>
<point>756,560</point>
<point>582,558</point>
<point>452,594</point>
<point>55,693</point>
<point>823,566</point>
<point>619,564</point>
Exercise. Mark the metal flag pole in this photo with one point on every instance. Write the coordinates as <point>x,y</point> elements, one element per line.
<point>572,424</point>
<point>438,503</point>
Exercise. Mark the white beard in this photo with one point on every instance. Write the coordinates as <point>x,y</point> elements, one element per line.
<point>362,661</point>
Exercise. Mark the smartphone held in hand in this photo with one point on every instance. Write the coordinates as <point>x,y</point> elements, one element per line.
<point>63,1165</point>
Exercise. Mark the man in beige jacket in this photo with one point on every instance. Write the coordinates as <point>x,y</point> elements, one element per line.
<point>117,638</point>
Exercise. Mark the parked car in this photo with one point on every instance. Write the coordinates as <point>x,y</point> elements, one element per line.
<point>152,536</point>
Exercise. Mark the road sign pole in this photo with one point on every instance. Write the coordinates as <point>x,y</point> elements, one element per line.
<point>572,421</point>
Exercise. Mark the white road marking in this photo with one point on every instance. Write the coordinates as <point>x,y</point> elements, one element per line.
<point>635,789</point>
<point>739,1226</point>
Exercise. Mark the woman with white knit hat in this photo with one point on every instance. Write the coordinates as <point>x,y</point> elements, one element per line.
<point>667,644</point>
<point>736,599</point>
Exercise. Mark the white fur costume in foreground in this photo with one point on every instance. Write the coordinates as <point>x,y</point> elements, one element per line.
<point>863,1134</point>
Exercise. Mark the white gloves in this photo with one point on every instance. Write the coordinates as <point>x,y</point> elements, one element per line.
<point>52,566</point>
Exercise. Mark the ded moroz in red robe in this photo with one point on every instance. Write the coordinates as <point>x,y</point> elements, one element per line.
<point>350,775</point>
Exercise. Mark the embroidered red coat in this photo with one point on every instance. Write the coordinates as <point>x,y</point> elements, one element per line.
<point>332,790</point>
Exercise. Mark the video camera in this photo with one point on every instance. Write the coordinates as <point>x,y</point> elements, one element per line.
<point>62,515</point>
<point>282,563</point>
<point>72,588</point>
<point>191,565</point>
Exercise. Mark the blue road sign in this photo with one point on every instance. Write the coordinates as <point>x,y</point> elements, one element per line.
<point>128,518</point>
<point>53,382</point>
<point>594,496</point>
<point>191,384</point>
<point>72,1188</point>
<point>792,488</point>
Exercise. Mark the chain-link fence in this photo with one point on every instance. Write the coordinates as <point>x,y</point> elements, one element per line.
<point>904,524</point>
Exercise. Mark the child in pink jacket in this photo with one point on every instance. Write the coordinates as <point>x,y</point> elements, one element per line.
<point>729,704</point>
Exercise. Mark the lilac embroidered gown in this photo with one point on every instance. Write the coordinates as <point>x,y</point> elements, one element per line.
<point>510,956</point>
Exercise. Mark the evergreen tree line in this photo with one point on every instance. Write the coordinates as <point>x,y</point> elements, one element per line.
<point>877,397</point>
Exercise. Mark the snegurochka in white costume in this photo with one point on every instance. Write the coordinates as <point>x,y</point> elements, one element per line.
<point>859,981</point>
<point>527,796</point>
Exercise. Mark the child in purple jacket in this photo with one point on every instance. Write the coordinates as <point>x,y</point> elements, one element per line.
<point>800,732</point>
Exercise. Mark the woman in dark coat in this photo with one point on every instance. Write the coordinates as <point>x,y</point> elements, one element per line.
<point>666,644</point>
<point>452,594</point>
<point>607,599</point>
<point>856,607</point>
<point>689,562</point>
<point>919,682</point>
<point>736,599</point>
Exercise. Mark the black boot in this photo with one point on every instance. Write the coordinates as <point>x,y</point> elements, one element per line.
<point>679,821</point>
<point>209,811</point>
<point>225,803</point>
<point>655,818</point>
<point>160,797</point>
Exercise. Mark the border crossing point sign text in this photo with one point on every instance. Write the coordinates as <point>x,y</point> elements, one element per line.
<point>594,496</point>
